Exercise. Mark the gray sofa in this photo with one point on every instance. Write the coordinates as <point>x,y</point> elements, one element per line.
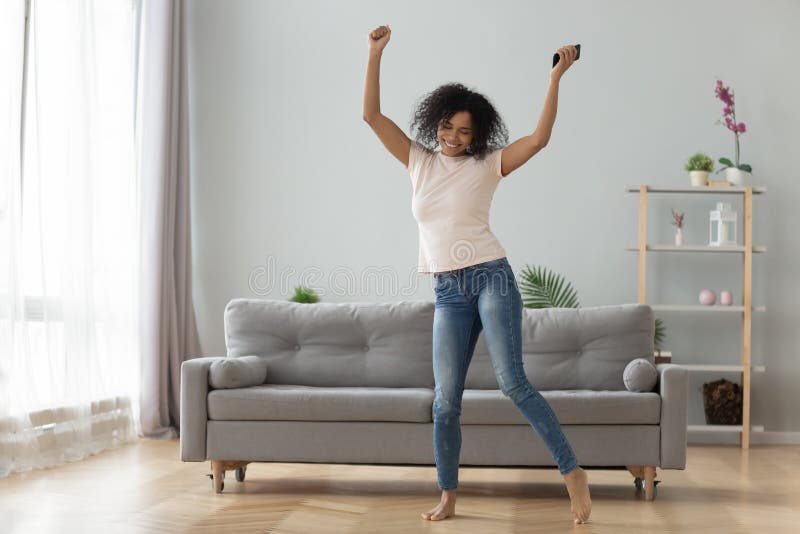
<point>353,383</point>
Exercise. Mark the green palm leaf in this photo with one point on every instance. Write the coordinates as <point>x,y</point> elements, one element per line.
<point>541,288</point>
<point>660,332</point>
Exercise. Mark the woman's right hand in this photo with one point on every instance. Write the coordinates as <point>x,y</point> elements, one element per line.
<point>378,38</point>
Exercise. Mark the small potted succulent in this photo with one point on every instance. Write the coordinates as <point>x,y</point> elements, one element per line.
<point>699,166</point>
<point>304,295</point>
<point>677,220</point>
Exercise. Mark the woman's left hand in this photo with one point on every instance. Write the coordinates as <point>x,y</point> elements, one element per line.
<point>566,59</point>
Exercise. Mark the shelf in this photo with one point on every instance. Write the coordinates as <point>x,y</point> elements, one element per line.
<point>729,189</point>
<point>721,368</point>
<point>700,367</point>
<point>703,308</point>
<point>721,428</point>
<point>695,248</point>
<point>745,250</point>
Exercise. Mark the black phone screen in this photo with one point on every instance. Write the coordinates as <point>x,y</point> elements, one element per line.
<point>577,56</point>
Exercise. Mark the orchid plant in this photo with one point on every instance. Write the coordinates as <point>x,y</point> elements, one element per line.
<point>725,94</point>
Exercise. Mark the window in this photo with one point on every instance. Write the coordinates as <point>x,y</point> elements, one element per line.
<point>68,205</point>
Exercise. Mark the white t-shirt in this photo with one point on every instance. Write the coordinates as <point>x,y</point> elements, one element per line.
<point>452,197</point>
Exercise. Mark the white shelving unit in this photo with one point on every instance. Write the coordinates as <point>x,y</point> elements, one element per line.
<point>745,307</point>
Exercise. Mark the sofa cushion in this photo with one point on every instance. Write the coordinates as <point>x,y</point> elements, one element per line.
<point>574,348</point>
<point>640,375</point>
<point>241,372</point>
<point>577,407</point>
<point>274,402</point>
<point>369,344</point>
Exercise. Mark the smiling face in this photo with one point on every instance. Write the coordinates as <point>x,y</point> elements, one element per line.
<point>455,134</point>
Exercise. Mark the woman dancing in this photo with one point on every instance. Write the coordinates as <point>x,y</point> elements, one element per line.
<point>459,155</point>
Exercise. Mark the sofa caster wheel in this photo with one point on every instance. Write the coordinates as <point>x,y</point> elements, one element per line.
<point>639,483</point>
<point>240,472</point>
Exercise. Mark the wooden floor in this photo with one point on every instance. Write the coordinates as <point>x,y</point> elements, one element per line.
<point>145,488</point>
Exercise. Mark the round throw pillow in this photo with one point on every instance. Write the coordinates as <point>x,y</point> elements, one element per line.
<point>237,372</point>
<point>640,375</point>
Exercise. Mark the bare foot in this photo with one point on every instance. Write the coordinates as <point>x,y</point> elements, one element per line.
<point>446,507</point>
<point>578,488</point>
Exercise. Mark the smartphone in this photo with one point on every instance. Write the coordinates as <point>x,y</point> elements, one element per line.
<point>577,56</point>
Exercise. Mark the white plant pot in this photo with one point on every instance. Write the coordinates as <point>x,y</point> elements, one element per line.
<point>698,178</point>
<point>736,176</point>
<point>679,237</point>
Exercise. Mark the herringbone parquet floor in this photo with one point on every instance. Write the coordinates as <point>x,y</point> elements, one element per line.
<point>144,488</point>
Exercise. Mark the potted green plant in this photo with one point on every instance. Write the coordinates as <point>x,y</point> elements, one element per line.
<point>305,295</point>
<point>699,166</point>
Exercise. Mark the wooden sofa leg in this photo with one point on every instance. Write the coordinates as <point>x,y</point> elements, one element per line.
<point>217,472</point>
<point>218,468</point>
<point>636,470</point>
<point>645,479</point>
<point>649,483</point>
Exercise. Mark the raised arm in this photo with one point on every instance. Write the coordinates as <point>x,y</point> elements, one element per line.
<point>517,153</point>
<point>392,137</point>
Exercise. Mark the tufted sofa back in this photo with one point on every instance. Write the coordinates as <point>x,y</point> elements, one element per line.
<point>389,344</point>
<point>575,348</point>
<point>335,344</point>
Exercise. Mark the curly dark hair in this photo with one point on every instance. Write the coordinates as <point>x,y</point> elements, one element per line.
<point>489,131</point>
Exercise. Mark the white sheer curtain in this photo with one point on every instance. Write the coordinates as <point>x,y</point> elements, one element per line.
<point>69,231</point>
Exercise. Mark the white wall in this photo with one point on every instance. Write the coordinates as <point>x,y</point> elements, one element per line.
<point>286,175</point>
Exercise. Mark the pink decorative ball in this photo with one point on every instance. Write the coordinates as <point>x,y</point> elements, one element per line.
<point>707,297</point>
<point>725,297</point>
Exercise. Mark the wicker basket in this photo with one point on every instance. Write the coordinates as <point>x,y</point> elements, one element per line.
<point>722,400</point>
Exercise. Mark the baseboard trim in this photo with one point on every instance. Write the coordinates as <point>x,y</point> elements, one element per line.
<point>732,438</point>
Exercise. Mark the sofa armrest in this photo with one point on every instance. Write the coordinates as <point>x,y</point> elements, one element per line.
<point>194,408</point>
<point>673,386</point>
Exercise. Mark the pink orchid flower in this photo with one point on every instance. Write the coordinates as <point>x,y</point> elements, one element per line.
<point>725,94</point>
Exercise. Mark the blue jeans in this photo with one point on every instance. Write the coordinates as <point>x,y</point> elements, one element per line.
<point>483,297</point>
